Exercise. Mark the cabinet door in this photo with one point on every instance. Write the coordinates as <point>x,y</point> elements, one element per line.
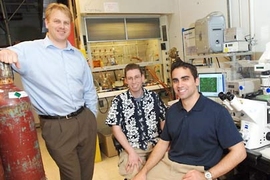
<point>143,28</point>
<point>108,29</point>
<point>99,29</point>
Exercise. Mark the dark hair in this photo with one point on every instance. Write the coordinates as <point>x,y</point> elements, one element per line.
<point>185,65</point>
<point>132,66</point>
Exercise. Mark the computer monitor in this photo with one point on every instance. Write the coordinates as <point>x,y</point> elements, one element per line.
<point>211,84</point>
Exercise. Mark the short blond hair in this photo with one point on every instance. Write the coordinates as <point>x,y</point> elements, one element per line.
<point>58,6</point>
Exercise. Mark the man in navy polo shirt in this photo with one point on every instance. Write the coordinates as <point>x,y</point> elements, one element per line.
<point>197,131</point>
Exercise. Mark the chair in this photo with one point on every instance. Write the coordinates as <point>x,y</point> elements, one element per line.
<point>117,145</point>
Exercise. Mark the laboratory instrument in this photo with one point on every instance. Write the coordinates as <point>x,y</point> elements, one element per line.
<point>241,87</point>
<point>236,46</point>
<point>233,34</point>
<point>209,33</point>
<point>255,126</point>
<point>211,84</point>
<point>264,61</point>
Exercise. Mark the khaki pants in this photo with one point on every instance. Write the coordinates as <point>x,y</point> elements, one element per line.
<point>169,170</point>
<point>123,160</point>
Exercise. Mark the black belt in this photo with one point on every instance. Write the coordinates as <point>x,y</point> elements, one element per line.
<point>62,117</point>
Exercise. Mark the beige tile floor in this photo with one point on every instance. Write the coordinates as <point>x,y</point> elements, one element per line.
<point>105,170</point>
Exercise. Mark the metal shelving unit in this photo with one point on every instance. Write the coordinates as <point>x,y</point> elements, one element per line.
<point>6,21</point>
<point>232,55</point>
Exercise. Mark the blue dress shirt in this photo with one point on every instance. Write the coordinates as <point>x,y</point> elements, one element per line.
<point>58,81</point>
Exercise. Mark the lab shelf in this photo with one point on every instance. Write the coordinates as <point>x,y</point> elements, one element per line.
<point>122,66</point>
<point>232,55</point>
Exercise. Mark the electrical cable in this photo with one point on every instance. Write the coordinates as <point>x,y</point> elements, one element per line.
<point>218,62</point>
<point>165,86</point>
<point>204,61</point>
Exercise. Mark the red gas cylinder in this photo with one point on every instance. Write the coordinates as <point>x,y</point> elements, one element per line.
<point>19,146</point>
<point>2,175</point>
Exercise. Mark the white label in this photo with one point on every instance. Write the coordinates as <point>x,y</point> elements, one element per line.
<point>111,7</point>
<point>17,94</point>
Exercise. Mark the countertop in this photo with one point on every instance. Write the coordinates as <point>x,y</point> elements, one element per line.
<point>117,92</point>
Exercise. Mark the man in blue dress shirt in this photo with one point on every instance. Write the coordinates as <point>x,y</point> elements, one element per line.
<point>60,86</point>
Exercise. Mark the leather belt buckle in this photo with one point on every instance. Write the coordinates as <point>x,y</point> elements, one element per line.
<point>68,117</point>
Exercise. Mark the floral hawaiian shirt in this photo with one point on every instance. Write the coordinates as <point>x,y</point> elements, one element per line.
<point>138,118</point>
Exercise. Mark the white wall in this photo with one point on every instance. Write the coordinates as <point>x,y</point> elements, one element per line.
<point>192,10</point>
<point>186,13</point>
<point>125,6</point>
<point>240,16</point>
<point>261,24</point>
<point>174,27</point>
<point>253,16</point>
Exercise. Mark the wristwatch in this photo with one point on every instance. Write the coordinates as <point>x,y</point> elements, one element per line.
<point>208,175</point>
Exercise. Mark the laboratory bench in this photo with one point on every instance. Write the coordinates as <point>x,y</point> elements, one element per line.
<point>105,94</point>
<point>254,167</point>
<point>232,55</point>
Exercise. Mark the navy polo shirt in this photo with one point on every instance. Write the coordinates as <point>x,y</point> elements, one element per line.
<point>198,137</point>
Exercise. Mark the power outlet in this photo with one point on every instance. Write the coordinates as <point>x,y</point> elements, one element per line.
<point>101,103</point>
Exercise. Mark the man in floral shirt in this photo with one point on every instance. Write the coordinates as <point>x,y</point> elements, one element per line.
<point>136,117</point>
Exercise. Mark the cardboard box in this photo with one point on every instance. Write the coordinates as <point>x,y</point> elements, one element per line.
<point>106,142</point>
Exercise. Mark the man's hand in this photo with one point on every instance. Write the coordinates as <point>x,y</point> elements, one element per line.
<point>134,161</point>
<point>194,175</point>
<point>9,57</point>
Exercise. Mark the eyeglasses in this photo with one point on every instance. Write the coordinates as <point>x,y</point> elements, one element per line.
<point>135,78</point>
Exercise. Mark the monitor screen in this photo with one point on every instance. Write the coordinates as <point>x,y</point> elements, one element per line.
<point>211,84</point>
